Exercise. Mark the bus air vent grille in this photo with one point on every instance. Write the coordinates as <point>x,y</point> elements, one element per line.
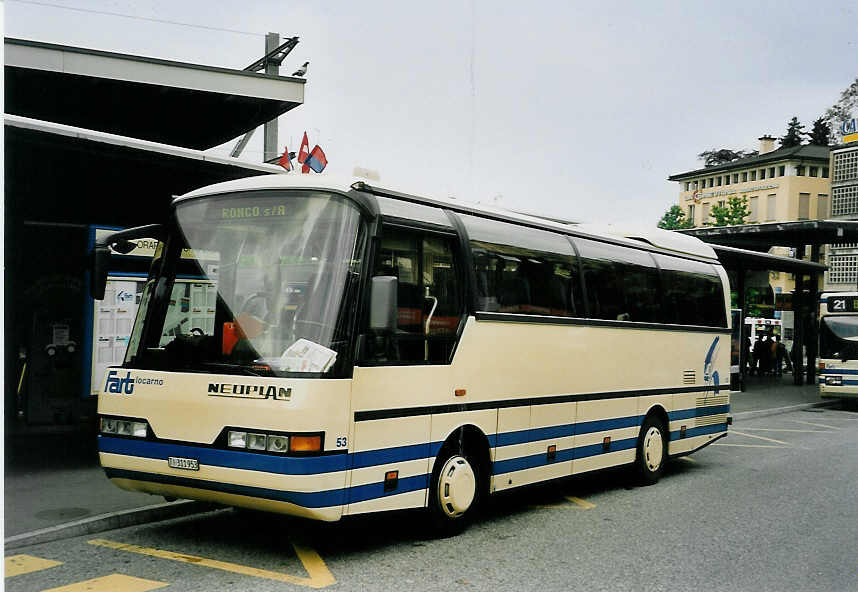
<point>712,401</point>
<point>689,377</point>
<point>710,420</point>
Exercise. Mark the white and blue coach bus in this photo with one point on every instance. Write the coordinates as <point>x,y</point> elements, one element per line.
<point>838,345</point>
<point>371,350</point>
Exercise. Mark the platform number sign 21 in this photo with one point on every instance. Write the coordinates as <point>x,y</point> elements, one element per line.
<point>842,304</point>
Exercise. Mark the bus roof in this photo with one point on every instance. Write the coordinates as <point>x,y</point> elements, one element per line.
<point>652,237</point>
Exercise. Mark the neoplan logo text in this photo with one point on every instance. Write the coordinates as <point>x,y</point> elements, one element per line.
<point>249,391</point>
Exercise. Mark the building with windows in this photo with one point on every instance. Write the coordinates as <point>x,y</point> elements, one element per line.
<point>783,184</point>
<point>842,258</point>
<point>780,185</point>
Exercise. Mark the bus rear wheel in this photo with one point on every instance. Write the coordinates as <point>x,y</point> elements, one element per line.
<point>453,492</point>
<point>652,450</point>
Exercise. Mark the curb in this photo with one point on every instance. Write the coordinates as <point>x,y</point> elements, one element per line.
<point>779,410</point>
<point>110,521</point>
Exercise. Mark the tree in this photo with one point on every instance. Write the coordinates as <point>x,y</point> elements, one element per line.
<point>674,219</point>
<point>733,213</point>
<point>793,137</point>
<point>718,156</point>
<point>820,135</point>
<point>844,109</point>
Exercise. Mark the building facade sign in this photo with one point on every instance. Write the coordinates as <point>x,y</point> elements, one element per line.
<point>698,195</point>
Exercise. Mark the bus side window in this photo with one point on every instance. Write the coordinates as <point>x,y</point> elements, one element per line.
<point>622,283</point>
<point>430,302</point>
<point>523,271</point>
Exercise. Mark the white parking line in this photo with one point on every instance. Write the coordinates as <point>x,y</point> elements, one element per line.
<point>816,425</point>
<point>785,430</point>
<point>787,444</point>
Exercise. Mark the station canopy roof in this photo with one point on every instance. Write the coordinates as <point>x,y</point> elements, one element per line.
<point>56,173</point>
<point>733,258</point>
<point>175,103</point>
<point>761,237</point>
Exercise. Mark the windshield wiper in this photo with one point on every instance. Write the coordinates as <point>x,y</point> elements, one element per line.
<point>256,370</point>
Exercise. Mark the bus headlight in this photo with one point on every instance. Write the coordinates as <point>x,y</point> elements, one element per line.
<point>237,439</point>
<point>302,444</point>
<point>256,441</point>
<point>124,427</point>
<point>278,443</point>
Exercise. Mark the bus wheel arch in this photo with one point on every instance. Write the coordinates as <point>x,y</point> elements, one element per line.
<point>459,481</point>
<point>652,445</point>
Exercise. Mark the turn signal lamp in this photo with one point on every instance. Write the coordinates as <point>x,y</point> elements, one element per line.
<point>822,365</point>
<point>305,443</point>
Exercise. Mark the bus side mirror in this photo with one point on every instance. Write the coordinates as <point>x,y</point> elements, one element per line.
<point>383,309</point>
<point>100,263</point>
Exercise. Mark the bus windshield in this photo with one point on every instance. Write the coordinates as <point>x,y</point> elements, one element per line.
<point>253,284</point>
<point>838,337</point>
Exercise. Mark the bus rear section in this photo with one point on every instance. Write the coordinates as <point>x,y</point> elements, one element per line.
<point>838,345</point>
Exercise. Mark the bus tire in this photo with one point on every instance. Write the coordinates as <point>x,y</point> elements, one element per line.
<point>454,491</point>
<point>652,450</point>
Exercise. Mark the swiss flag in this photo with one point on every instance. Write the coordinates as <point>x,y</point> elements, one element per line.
<point>303,153</point>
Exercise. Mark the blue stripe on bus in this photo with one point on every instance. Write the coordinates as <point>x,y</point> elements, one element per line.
<point>698,412</point>
<point>839,371</point>
<point>538,460</point>
<point>340,462</point>
<point>385,456</point>
<point>233,459</point>
<point>701,431</point>
<point>362,493</point>
<point>316,499</point>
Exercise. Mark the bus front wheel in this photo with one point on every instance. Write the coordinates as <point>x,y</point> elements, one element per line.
<point>652,450</point>
<point>453,492</point>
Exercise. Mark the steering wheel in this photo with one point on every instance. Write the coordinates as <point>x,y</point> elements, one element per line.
<point>197,331</point>
<point>255,296</point>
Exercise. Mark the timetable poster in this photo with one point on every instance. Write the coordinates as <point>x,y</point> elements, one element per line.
<point>113,319</point>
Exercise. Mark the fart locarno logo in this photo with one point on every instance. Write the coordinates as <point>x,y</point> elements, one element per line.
<point>115,384</point>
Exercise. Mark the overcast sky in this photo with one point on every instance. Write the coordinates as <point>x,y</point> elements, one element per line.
<point>574,109</point>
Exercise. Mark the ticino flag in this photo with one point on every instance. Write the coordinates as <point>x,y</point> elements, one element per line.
<point>317,160</point>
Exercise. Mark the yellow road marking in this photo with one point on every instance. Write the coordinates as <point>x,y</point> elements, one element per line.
<point>816,425</point>
<point>762,438</point>
<point>112,583</point>
<point>583,504</point>
<point>22,564</point>
<point>320,576</point>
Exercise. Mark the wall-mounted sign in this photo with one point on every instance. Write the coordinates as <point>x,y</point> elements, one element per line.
<point>849,129</point>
